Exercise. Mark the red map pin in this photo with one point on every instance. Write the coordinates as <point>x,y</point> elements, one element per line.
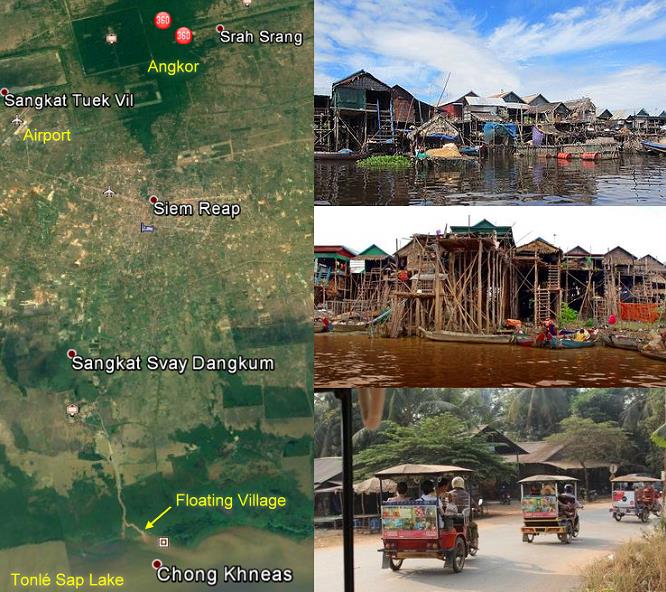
<point>184,36</point>
<point>162,20</point>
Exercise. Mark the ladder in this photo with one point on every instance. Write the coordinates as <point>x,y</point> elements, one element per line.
<point>553,278</point>
<point>542,310</point>
<point>385,133</point>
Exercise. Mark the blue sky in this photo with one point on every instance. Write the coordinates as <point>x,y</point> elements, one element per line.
<point>611,51</point>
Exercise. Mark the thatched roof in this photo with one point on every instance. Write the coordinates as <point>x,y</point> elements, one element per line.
<point>438,124</point>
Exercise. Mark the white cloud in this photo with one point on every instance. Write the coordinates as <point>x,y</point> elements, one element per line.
<point>568,32</point>
<point>417,46</point>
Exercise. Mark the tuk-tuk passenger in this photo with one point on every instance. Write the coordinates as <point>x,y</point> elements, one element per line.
<point>548,489</point>
<point>428,495</point>
<point>442,488</point>
<point>401,493</point>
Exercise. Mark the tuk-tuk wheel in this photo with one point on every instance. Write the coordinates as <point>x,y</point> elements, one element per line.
<point>458,555</point>
<point>395,564</point>
<point>528,538</point>
<point>565,537</point>
<point>644,515</point>
<point>617,516</point>
<point>657,510</point>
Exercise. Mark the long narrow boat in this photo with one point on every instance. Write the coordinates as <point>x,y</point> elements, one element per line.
<point>562,343</point>
<point>453,337</point>
<point>621,341</point>
<point>349,327</point>
<point>342,155</point>
<point>656,147</point>
<point>655,355</point>
<point>567,344</point>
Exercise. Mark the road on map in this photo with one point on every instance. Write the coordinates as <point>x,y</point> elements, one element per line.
<point>504,562</point>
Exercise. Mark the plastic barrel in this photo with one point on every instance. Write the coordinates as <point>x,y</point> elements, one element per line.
<point>564,155</point>
<point>590,155</point>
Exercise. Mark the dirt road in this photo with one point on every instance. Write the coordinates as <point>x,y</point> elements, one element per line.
<point>504,562</point>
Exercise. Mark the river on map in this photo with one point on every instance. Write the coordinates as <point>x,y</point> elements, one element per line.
<point>345,360</point>
<point>500,179</point>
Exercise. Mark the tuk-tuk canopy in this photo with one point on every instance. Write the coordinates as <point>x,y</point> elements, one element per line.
<point>542,478</point>
<point>420,470</point>
<point>635,479</point>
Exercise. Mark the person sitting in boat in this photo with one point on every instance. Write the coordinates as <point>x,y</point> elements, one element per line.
<point>549,334</point>
<point>581,335</point>
<point>658,342</point>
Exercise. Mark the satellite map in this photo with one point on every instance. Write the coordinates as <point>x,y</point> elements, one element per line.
<point>155,340</point>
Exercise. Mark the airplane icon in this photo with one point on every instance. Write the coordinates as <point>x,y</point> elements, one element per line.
<point>17,121</point>
<point>109,192</point>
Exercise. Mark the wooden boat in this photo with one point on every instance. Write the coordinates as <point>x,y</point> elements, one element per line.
<point>349,327</point>
<point>341,155</point>
<point>562,343</point>
<point>454,337</point>
<point>655,355</point>
<point>566,344</point>
<point>655,147</point>
<point>621,341</point>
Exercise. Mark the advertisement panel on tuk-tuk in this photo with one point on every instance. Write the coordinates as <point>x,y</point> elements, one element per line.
<point>539,506</point>
<point>623,499</point>
<point>409,520</point>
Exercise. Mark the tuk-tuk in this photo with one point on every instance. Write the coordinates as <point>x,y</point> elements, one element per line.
<point>550,506</point>
<point>426,526</point>
<point>635,495</point>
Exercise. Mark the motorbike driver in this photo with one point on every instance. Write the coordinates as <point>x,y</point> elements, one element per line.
<point>567,504</point>
<point>462,500</point>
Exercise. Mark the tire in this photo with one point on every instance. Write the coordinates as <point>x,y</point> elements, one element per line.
<point>644,516</point>
<point>576,530</point>
<point>565,537</point>
<point>458,555</point>
<point>617,516</point>
<point>395,564</point>
<point>529,538</point>
<point>657,510</point>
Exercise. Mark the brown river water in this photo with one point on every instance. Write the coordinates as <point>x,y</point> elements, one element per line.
<point>346,360</point>
<point>498,180</point>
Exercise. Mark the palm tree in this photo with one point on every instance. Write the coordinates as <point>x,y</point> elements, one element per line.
<point>535,412</point>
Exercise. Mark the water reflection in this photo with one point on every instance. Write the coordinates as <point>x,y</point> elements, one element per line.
<point>498,180</point>
<point>358,360</point>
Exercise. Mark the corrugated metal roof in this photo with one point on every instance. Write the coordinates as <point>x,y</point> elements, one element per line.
<point>493,102</point>
<point>326,468</point>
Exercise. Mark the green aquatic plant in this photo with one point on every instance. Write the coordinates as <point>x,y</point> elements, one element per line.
<point>385,162</point>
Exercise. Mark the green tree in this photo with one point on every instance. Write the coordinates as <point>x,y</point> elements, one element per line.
<point>599,404</point>
<point>443,439</point>
<point>585,440</point>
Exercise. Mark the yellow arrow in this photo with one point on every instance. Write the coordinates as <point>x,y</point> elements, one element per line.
<point>151,523</point>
